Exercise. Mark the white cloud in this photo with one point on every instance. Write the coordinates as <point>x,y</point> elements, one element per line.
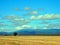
<point>32,17</point>
<point>26,26</point>
<point>53,26</point>
<point>34,12</point>
<point>26,8</point>
<point>19,19</point>
<point>51,16</point>
<point>10,17</point>
<point>19,28</point>
<point>40,17</point>
<point>23,27</point>
<point>46,17</point>
<point>44,28</point>
<point>35,27</point>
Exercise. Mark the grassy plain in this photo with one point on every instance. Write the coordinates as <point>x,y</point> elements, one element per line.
<point>29,40</point>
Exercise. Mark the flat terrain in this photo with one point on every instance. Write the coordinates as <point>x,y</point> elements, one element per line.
<point>29,40</point>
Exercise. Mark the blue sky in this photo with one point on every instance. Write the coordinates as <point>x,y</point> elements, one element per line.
<point>48,7</point>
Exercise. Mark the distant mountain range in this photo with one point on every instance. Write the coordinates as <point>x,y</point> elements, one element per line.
<point>33,32</point>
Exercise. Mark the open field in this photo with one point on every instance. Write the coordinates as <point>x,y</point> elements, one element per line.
<point>29,40</point>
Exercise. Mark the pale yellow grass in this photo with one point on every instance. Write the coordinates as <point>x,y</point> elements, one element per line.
<point>29,40</point>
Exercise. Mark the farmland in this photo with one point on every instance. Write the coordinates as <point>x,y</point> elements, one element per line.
<point>29,40</point>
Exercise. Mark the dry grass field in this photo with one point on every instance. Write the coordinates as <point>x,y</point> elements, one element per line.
<point>29,40</point>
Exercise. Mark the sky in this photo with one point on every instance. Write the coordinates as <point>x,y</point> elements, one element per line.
<point>32,14</point>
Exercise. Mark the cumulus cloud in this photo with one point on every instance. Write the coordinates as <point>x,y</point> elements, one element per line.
<point>53,26</point>
<point>34,12</point>
<point>35,27</point>
<point>40,17</point>
<point>50,16</point>
<point>10,17</point>
<point>23,27</point>
<point>44,28</point>
<point>32,17</point>
<point>26,8</point>
<point>46,17</point>
<point>18,19</point>
<point>18,28</point>
<point>21,22</point>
